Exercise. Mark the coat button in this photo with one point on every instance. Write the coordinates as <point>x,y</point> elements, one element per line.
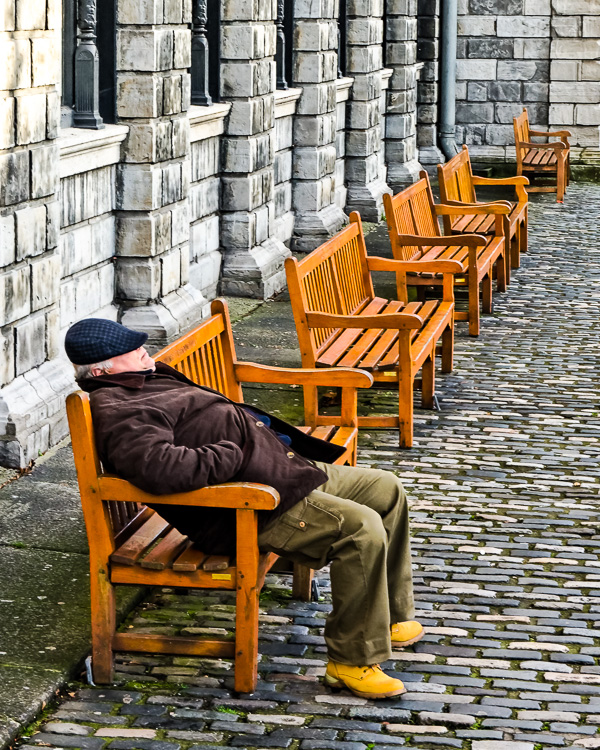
<point>302,524</point>
<point>290,454</point>
<point>260,424</point>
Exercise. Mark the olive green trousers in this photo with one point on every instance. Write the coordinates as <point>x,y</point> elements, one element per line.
<point>358,522</point>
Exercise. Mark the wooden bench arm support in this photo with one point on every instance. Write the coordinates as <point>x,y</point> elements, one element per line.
<point>454,208</point>
<point>556,133</point>
<point>455,240</point>
<point>331,376</point>
<point>414,266</point>
<point>244,495</point>
<point>397,321</point>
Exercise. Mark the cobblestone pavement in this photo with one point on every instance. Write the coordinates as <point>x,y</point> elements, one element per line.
<point>504,489</point>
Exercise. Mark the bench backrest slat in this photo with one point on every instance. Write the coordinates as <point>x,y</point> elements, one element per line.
<point>411,212</point>
<point>334,279</point>
<point>456,183</point>
<point>521,127</point>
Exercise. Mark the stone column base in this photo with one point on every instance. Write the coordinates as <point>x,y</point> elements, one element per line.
<point>32,412</point>
<point>175,314</point>
<point>402,175</point>
<point>431,155</point>
<point>257,272</point>
<point>315,227</point>
<point>367,200</point>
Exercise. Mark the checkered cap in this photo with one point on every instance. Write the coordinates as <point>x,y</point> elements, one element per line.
<point>97,339</point>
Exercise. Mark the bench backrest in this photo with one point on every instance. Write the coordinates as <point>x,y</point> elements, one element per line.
<point>411,212</point>
<point>206,356</point>
<point>334,279</point>
<point>456,179</point>
<point>521,126</point>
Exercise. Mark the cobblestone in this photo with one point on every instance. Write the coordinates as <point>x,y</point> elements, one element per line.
<point>503,484</point>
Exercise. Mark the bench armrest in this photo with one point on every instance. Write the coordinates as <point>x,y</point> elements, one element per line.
<point>557,133</point>
<point>244,495</point>
<point>519,181</point>
<point>414,266</point>
<point>456,240</point>
<point>399,321</point>
<point>554,146</point>
<point>453,208</point>
<point>331,376</point>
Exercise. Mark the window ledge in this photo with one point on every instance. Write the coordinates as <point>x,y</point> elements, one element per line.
<point>82,150</point>
<point>286,101</point>
<point>343,88</point>
<point>207,122</point>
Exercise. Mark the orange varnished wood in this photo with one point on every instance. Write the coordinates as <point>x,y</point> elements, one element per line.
<point>130,544</point>
<point>457,186</point>
<point>340,322</point>
<point>414,209</point>
<point>549,159</point>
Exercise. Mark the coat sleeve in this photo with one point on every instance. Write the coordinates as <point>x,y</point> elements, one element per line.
<point>145,453</point>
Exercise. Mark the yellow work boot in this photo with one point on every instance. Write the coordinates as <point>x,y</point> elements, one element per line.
<point>405,633</point>
<point>367,682</point>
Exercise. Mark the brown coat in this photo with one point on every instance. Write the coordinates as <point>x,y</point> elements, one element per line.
<point>165,434</point>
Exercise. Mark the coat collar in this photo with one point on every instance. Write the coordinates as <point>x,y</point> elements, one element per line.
<point>135,381</point>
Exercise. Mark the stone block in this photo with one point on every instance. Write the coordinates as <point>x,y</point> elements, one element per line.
<point>7,122</point>
<point>531,49</point>
<point>476,70</point>
<point>362,143</point>
<point>313,164</point>
<point>31,118</point>
<point>139,187</point>
<point>54,16</point>
<point>312,35</point>
<point>505,7</point>
<point>52,224</point>
<point>499,135</point>
<point>363,115</point>
<point>567,27</point>
<point>574,49</point>
<point>401,53</point>
<point>7,356</point>
<point>148,142</point>
<point>15,294</point>
<point>7,240</point>
<point>575,7</point>
<point>590,70</point>
<point>45,55</point>
<point>205,159</point>
<point>30,344</point>
<point>180,129</point>
<point>284,129</point>
<point>562,113</point>
<point>477,91</point>
<point>31,15</point>
<point>587,114</point>
<point>523,26</point>
<point>318,99</point>
<point>8,69</point>
<point>587,92</point>
<point>139,235</point>
<point>248,154</point>
<point>52,115</point>
<point>45,279</point>
<point>172,95</point>
<point>475,113</point>
<point>170,271</point>
<point>7,15</point>
<point>312,8</point>
<point>535,92</point>
<point>44,171</point>
<point>172,185</point>
<point>362,59</point>
<point>505,91</point>
<point>591,26</point>
<point>244,79</point>
<point>146,50</point>
<point>30,231</point>
<point>314,131</point>
<point>314,67</point>
<point>173,11</point>
<point>180,223</point>
<point>516,70</point>
<point>400,29</point>
<point>182,48</point>
<point>243,42</point>
<point>138,12</point>
<point>537,8</point>
<point>138,279</point>
<point>139,95</point>
<point>496,49</point>
<point>368,31</point>
<point>476,26</point>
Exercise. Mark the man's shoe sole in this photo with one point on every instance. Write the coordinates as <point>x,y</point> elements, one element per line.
<point>336,684</point>
<point>403,644</point>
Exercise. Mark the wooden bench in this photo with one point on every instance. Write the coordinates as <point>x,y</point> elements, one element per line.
<point>457,187</point>
<point>412,219</point>
<point>543,159</point>
<point>131,544</point>
<point>340,322</point>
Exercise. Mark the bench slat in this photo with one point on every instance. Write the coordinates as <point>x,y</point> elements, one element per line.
<point>190,559</point>
<point>167,549</point>
<point>131,550</point>
<point>348,336</point>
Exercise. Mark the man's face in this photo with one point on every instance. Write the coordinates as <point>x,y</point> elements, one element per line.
<point>134,361</point>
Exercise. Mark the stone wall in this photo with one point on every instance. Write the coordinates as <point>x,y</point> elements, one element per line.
<point>541,54</point>
<point>286,101</point>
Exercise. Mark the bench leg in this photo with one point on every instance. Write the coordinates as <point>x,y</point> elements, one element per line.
<point>515,247</point>
<point>560,180</point>
<point>473,303</point>
<point>448,348</point>
<point>311,405</point>
<point>302,581</point>
<point>405,405</point>
<point>523,239</point>
<point>428,385</point>
<point>502,270</point>
<point>246,602</point>
<point>486,289</point>
<point>103,625</point>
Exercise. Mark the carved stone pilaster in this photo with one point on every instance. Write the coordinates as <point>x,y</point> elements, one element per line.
<point>87,69</point>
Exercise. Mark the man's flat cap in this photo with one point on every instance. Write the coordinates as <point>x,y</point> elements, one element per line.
<point>96,339</point>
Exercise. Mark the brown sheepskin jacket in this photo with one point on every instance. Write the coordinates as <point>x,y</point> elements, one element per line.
<point>165,434</point>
